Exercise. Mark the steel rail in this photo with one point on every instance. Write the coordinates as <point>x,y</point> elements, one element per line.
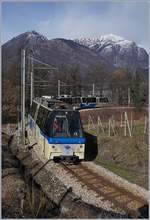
<point>100,183</point>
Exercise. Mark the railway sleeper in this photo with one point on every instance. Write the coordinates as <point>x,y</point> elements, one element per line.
<point>123,192</point>
<point>116,203</point>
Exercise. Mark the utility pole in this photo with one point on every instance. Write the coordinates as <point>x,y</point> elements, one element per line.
<point>129,96</point>
<point>58,88</point>
<point>31,85</point>
<point>93,89</point>
<point>23,95</point>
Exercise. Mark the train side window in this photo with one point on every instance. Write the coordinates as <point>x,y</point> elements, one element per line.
<point>45,115</point>
<point>93,100</point>
<point>42,115</point>
<point>48,123</point>
<point>39,117</point>
<point>84,100</point>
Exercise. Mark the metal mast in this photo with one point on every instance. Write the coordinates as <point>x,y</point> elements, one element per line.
<point>93,89</point>
<point>58,88</point>
<point>31,81</point>
<point>23,95</point>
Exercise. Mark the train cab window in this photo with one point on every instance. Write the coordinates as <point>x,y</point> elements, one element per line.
<point>75,128</point>
<point>64,124</point>
<point>60,126</point>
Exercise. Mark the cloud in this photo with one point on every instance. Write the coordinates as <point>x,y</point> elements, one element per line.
<point>129,20</point>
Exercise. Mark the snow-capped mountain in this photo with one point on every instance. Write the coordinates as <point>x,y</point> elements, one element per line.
<point>118,51</point>
<point>57,52</point>
<point>108,51</point>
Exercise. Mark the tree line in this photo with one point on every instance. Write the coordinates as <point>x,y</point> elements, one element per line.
<point>118,85</point>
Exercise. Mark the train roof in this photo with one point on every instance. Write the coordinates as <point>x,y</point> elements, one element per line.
<point>56,108</point>
<point>54,100</point>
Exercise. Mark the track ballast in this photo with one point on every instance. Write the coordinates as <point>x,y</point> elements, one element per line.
<point>119,197</point>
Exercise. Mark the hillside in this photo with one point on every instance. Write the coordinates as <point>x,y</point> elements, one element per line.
<point>90,61</point>
<point>57,52</point>
<point>120,52</point>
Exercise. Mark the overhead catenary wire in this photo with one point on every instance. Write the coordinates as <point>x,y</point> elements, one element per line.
<point>98,84</point>
<point>71,85</point>
<point>43,63</point>
<point>40,83</point>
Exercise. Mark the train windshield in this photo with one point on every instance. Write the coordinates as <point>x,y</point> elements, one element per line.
<point>66,124</point>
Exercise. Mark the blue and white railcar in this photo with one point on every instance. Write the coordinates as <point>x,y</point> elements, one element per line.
<point>88,102</point>
<point>58,132</point>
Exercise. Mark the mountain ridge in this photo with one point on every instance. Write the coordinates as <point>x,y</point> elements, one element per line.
<point>123,53</point>
<point>111,51</point>
<point>57,52</point>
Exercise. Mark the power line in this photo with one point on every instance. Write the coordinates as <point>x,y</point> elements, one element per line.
<point>48,65</point>
<point>43,85</point>
<point>43,68</point>
<point>44,81</point>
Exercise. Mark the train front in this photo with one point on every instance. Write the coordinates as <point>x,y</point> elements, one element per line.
<point>67,141</point>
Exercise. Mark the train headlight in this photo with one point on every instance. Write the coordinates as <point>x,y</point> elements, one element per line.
<point>53,146</point>
<point>81,146</point>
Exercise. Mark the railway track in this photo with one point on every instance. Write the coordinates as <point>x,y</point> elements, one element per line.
<point>119,197</point>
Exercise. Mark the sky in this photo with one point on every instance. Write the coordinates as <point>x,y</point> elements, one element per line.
<point>75,19</point>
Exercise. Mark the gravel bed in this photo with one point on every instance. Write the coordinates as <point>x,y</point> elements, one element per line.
<point>13,191</point>
<point>78,188</point>
<point>83,191</point>
<point>119,181</point>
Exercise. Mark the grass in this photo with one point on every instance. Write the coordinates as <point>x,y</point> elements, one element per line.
<point>136,130</point>
<point>125,156</point>
<point>132,176</point>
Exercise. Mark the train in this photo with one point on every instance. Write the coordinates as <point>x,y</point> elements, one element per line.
<point>58,131</point>
<point>83,102</point>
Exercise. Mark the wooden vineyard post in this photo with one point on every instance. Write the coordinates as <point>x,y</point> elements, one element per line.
<point>111,126</point>
<point>91,123</point>
<point>121,122</point>
<point>113,121</point>
<point>125,128</point>
<point>127,125</point>
<point>99,125</point>
<point>131,120</point>
<point>109,123</point>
